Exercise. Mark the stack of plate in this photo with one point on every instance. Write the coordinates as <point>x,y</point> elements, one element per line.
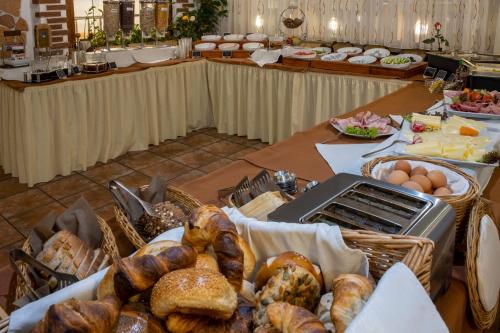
<point>211,38</point>
<point>257,37</point>
<point>234,38</point>
<point>205,46</point>
<point>252,46</point>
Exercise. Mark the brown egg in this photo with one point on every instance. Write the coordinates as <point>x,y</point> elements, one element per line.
<point>413,186</point>
<point>437,178</point>
<point>397,177</point>
<point>442,191</point>
<point>419,171</point>
<point>422,181</point>
<point>403,165</point>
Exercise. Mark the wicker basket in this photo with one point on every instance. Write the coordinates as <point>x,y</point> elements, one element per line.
<point>483,319</point>
<point>461,203</point>
<point>108,246</point>
<point>178,197</point>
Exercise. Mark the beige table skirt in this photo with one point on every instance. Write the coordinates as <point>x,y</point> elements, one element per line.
<point>56,129</point>
<point>272,104</point>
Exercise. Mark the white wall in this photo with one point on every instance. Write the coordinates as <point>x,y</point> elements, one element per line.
<point>26,13</point>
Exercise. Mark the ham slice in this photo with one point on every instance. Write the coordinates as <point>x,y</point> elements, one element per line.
<point>365,120</point>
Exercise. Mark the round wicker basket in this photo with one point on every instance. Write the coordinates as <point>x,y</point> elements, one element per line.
<point>484,319</point>
<point>176,196</point>
<point>461,203</point>
<point>108,245</point>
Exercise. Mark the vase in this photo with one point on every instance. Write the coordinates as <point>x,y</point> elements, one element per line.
<point>185,45</point>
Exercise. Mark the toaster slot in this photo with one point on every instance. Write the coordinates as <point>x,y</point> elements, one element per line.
<point>395,198</point>
<point>393,207</point>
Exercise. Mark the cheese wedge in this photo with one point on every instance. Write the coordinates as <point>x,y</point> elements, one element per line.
<point>432,122</point>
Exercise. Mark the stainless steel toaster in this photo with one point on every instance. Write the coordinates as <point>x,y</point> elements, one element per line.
<point>357,202</point>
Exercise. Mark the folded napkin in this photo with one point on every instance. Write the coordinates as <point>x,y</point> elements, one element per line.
<point>263,56</point>
<point>398,304</point>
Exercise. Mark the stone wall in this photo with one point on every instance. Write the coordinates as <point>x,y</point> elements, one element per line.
<point>10,18</point>
<point>53,13</point>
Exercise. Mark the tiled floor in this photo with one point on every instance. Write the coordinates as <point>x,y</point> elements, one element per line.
<point>177,161</point>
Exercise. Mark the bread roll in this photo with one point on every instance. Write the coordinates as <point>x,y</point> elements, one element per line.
<point>206,261</point>
<point>248,258</point>
<point>240,322</point>
<point>194,291</point>
<point>272,265</point>
<point>289,318</point>
<point>156,247</point>
<point>248,291</point>
<point>350,293</point>
<point>135,318</point>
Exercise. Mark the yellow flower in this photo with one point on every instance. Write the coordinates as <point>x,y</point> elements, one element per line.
<point>185,18</point>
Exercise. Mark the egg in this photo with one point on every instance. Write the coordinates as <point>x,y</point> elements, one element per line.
<point>420,170</point>
<point>397,177</point>
<point>422,181</point>
<point>442,191</point>
<point>437,178</point>
<point>413,185</point>
<point>403,166</point>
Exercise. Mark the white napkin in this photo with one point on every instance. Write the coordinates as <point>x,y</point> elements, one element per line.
<point>122,58</point>
<point>398,304</point>
<point>262,57</point>
<point>488,270</point>
<point>153,55</point>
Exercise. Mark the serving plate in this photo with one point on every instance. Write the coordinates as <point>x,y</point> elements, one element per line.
<point>211,38</point>
<point>418,59</point>
<point>334,57</point>
<point>298,54</point>
<point>321,50</point>
<point>378,52</point>
<point>205,46</point>
<point>252,46</point>
<point>350,50</point>
<point>399,66</point>
<point>234,38</point>
<point>465,114</point>
<point>229,46</point>
<point>362,60</point>
<point>257,37</point>
<point>391,132</point>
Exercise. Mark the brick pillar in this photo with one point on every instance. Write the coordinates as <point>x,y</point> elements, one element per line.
<point>53,13</point>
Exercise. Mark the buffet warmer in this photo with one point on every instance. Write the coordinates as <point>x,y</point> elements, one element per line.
<point>357,202</point>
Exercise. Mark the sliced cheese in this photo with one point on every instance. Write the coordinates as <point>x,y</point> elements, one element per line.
<point>433,122</point>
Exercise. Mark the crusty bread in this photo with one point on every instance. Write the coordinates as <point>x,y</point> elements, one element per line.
<point>194,291</point>
<point>248,258</point>
<point>135,318</point>
<point>272,265</point>
<point>289,318</point>
<point>156,247</point>
<point>206,261</point>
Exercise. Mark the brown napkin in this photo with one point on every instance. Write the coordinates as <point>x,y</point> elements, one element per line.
<point>154,194</point>
<point>80,219</point>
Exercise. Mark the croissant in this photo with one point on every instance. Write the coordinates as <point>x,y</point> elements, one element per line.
<point>287,318</point>
<point>208,225</point>
<point>80,316</point>
<point>350,293</point>
<point>136,274</point>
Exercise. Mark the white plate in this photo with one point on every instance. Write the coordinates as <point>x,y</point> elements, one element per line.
<point>418,59</point>
<point>229,46</point>
<point>211,38</point>
<point>304,56</point>
<point>400,66</point>
<point>378,52</point>
<point>257,37</point>
<point>391,132</point>
<point>362,60</point>
<point>334,57</point>
<point>448,101</point>
<point>350,50</point>
<point>322,50</point>
<point>205,46</point>
<point>234,38</point>
<point>252,46</point>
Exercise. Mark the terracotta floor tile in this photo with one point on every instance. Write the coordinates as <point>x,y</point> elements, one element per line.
<point>104,173</point>
<point>255,142</point>
<point>216,165</point>
<point>7,287</point>
<point>23,202</point>
<point>167,170</point>
<point>141,160</point>
<point>261,145</point>
<point>135,179</point>
<point>198,140</point>
<point>242,153</point>
<point>124,246</point>
<point>193,174</point>
<point>97,196</point>
<point>10,187</point>
<point>196,159</point>
<point>223,148</point>
<point>241,140</point>
<point>8,234</point>
<point>171,149</point>
<point>67,186</point>
<point>26,221</point>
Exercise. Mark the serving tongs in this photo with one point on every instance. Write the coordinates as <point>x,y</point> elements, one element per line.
<point>115,185</point>
<point>247,190</point>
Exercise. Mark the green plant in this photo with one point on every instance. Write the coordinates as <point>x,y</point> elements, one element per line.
<point>208,15</point>
<point>437,37</point>
<point>185,26</point>
<point>95,34</point>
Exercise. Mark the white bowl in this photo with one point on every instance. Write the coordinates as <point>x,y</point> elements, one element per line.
<point>400,66</point>
<point>205,46</point>
<point>252,46</point>
<point>229,46</point>
<point>211,38</point>
<point>234,38</point>
<point>297,54</point>
<point>322,50</point>
<point>257,37</point>
<point>350,50</point>
<point>362,60</point>
<point>334,57</point>
<point>378,53</point>
<point>418,59</point>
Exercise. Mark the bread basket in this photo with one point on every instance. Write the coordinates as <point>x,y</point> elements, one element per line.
<point>484,319</point>
<point>176,196</point>
<point>461,203</point>
<point>108,245</point>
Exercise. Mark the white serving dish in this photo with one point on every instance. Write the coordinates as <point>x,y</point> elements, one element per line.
<point>205,47</point>
<point>362,60</point>
<point>297,54</point>
<point>392,131</point>
<point>252,46</point>
<point>211,38</point>
<point>399,66</point>
<point>256,37</point>
<point>234,38</point>
<point>229,46</point>
<point>350,50</point>
<point>378,52</point>
<point>320,51</point>
<point>334,57</point>
<point>465,114</point>
<point>418,59</point>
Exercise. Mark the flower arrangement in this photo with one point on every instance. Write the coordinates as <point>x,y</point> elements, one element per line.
<point>437,37</point>
<point>184,26</point>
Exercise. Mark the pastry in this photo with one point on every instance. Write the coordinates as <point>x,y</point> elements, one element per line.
<point>206,261</point>
<point>156,247</point>
<point>272,265</point>
<point>136,318</point>
<point>248,258</point>
<point>248,291</point>
<point>287,318</point>
<point>292,284</point>
<point>80,316</point>
<point>350,293</point>
<point>194,291</point>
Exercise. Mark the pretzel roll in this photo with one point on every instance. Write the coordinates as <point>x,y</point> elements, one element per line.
<point>272,265</point>
<point>194,291</point>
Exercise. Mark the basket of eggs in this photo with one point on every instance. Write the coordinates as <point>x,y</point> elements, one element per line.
<point>433,177</point>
